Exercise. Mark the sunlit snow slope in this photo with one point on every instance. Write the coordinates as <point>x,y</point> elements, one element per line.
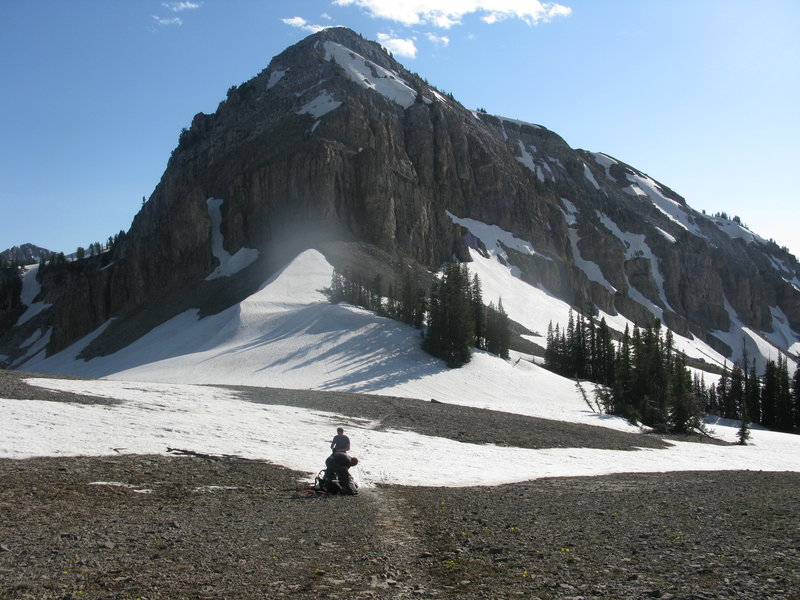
<point>288,335</point>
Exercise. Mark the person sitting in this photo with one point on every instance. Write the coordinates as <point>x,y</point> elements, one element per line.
<point>337,474</point>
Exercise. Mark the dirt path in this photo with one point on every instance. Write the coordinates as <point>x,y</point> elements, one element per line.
<point>395,527</point>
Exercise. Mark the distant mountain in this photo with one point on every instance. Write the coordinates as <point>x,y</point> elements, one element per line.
<point>338,147</point>
<point>27,254</point>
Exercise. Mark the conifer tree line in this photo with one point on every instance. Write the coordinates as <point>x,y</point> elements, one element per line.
<point>771,399</point>
<point>452,316</point>
<point>645,379</point>
<point>96,248</point>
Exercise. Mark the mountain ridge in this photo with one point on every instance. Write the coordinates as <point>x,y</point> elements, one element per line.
<point>337,146</point>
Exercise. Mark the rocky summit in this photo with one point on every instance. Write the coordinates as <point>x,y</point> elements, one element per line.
<point>338,147</point>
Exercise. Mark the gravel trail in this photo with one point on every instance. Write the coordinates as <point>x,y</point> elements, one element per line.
<point>169,527</point>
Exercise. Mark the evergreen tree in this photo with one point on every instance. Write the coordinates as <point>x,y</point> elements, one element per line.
<point>498,332</point>
<point>784,413</point>
<point>336,291</point>
<point>684,409</point>
<point>550,348</point>
<point>713,403</point>
<point>376,294</point>
<point>392,305</point>
<point>568,359</point>
<point>723,386</point>
<point>604,354</point>
<point>744,429</point>
<point>769,395</point>
<point>450,331</point>
<point>752,394</point>
<point>624,381</point>
<point>479,316</point>
<point>734,399</point>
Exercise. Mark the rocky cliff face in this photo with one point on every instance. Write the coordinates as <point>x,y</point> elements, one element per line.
<point>336,145</point>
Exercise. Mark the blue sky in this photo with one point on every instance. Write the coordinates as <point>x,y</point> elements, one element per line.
<point>702,95</point>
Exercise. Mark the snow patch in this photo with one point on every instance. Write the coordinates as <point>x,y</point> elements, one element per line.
<point>371,76</point>
<point>126,486</point>
<point>320,106</point>
<point>35,336</point>
<point>275,77</point>
<point>493,236</point>
<point>570,212</point>
<point>637,247</point>
<point>736,231</point>
<point>588,173</point>
<point>229,264</point>
<point>667,236</point>
<point>759,346</point>
<point>606,162</point>
<point>30,290</point>
<point>37,347</point>
<point>782,335</point>
<point>645,187</point>
<point>438,96</point>
<point>540,168</point>
<point>520,123</point>
<point>591,269</point>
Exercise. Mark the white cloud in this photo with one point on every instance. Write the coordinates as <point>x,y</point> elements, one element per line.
<point>398,46</point>
<point>446,13</point>
<point>438,39</point>
<point>167,22</point>
<point>326,16</point>
<point>301,23</point>
<point>179,6</point>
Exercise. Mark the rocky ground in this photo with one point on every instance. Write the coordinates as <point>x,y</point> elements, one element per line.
<point>170,527</point>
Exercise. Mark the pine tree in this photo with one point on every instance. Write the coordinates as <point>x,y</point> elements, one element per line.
<point>392,305</point>
<point>568,362</point>
<point>336,291</point>
<point>744,429</point>
<point>684,408</point>
<point>769,395</point>
<point>783,401</point>
<point>450,323</point>
<point>376,294</point>
<point>752,394</point>
<point>722,390</point>
<point>735,397</point>
<point>549,349</point>
<point>713,403</point>
<point>479,316</point>
<point>498,332</point>
<point>624,380</point>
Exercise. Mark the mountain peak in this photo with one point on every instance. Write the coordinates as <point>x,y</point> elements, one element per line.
<point>338,35</point>
<point>336,146</point>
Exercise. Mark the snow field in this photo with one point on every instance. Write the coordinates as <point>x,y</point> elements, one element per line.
<point>288,335</point>
<point>152,417</point>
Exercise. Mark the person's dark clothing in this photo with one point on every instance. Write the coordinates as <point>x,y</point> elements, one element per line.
<point>340,443</point>
<point>338,469</point>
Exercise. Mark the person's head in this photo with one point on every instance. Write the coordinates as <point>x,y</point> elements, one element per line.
<point>339,430</point>
<point>353,461</point>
